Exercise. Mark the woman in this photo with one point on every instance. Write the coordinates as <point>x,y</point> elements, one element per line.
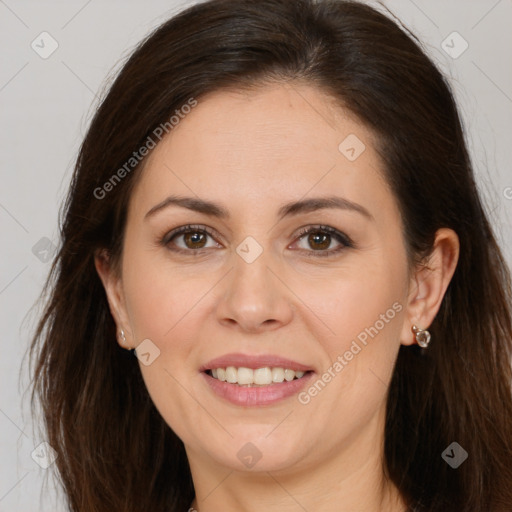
<point>274,210</point>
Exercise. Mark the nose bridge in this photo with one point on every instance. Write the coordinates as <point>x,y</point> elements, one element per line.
<point>251,264</point>
<point>254,296</point>
<point>250,279</point>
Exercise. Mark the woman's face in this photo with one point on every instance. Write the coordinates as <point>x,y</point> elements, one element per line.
<point>244,287</point>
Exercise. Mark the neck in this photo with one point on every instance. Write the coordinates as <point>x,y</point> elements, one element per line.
<point>351,478</point>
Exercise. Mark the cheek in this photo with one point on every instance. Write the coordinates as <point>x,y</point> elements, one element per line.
<point>159,295</point>
<point>362,303</point>
<point>361,312</point>
<point>164,307</point>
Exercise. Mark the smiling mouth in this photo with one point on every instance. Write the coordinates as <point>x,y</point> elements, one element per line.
<point>260,377</point>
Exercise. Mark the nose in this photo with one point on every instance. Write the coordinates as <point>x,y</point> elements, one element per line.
<point>254,298</point>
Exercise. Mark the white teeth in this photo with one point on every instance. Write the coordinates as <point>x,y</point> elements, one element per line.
<point>289,375</point>
<point>231,375</point>
<point>277,375</point>
<point>260,377</point>
<point>245,376</point>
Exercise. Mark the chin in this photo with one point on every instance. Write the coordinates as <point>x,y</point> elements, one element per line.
<point>254,452</point>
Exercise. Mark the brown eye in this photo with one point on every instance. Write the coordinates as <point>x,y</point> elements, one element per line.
<point>189,239</point>
<point>194,239</point>
<point>318,240</point>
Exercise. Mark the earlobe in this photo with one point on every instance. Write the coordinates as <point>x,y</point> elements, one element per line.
<point>428,286</point>
<point>112,284</point>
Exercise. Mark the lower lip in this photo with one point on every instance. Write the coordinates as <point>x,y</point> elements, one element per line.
<point>256,396</point>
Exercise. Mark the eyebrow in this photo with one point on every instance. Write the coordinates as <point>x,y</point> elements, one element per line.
<point>287,209</point>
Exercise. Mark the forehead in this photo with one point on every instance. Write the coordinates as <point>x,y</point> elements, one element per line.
<point>277,141</point>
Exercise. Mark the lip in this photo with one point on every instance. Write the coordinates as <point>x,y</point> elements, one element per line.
<point>254,362</point>
<point>256,396</point>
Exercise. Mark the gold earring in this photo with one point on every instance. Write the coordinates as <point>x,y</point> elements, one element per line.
<point>422,336</point>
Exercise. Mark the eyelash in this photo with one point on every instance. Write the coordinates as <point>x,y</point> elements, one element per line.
<point>343,239</point>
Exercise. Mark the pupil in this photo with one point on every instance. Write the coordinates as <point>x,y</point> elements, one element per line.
<point>194,238</point>
<point>322,239</point>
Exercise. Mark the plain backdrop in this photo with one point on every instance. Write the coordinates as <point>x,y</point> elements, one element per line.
<point>46,103</point>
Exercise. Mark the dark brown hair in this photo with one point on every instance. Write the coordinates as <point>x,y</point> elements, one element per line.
<point>115,451</point>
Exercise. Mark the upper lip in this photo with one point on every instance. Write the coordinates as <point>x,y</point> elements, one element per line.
<point>254,362</point>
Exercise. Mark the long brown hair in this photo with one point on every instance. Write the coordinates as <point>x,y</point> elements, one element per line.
<point>115,451</point>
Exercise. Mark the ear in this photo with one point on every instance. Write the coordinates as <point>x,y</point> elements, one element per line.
<point>429,283</point>
<point>113,285</point>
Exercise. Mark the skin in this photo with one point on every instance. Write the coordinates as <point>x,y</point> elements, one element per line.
<point>252,151</point>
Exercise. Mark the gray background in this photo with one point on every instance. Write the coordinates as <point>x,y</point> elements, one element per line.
<point>46,105</point>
